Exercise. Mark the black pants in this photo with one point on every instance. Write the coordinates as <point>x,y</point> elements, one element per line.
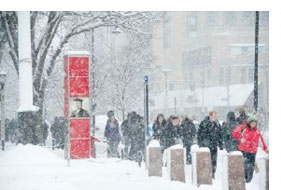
<point>214,155</point>
<point>188,155</point>
<point>113,149</point>
<point>249,165</point>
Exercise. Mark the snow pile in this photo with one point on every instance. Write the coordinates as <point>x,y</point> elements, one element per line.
<point>236,153</point>
<point>196,148</point>
<point>28,154</point>
<point>177,146</point>
<point>154,143</point>
<point>77,53</point>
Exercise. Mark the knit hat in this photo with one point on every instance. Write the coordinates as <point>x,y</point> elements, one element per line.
<point>110,114</point>
<point>250,120</point>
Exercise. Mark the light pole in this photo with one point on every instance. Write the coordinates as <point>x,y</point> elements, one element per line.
<point>146,113</point>
<point>166,91</point>
<point>256,62</point>
<point>2,93</point>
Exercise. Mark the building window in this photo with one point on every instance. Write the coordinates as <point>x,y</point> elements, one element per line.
<point>171,87</point>
<point>229,18</point>
<point>243,75</point>
<point>228,75</point>
<point>191,76</point>
<point>197,57</point>
<point>209,75</point>
<point>251,75</point>
<point>212,18</point>
<point>167,30</point>
<point>192,24</point>
<point>203,75</point>
<point>221,75</point>
<point>249,17</point>
<point>264,19</point>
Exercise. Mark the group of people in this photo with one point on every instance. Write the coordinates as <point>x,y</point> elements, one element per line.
<point>133,136</point>
<point>174,131</point>
<point>235,134</point>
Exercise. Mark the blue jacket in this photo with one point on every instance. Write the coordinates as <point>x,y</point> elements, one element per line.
<point>112,131</point>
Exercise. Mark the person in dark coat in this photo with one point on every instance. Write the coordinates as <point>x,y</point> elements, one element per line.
<point>45,127</point>
<point>112,134</point>
<point>158,128</point>
<point>242,118</point>
<point>230,143</point>
<point>171,133</point>
<point>137,140</point>
<point>210,135</point>
<point>187,133</point>
<point>126,133</point>
<point>79,112</point>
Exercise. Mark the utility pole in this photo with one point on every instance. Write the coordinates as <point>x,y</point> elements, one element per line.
<point>166,91</point>
<point>146,113</point>
<point>256,62</point>
<point>93,117</point>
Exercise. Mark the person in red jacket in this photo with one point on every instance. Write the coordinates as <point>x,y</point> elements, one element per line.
<point>248,137</point>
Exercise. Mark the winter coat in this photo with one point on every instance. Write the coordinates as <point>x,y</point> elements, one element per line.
<point>158,130</point>
<point>125,128</point>
<point>209,134</point>
<point>242,118</point>
<point>230,143</point>
<point>80,113</point>
<point>170,135</point>
<point>112,131</point>
<point>187,132</point>
<point>248,139</point>
<point>138,139</point>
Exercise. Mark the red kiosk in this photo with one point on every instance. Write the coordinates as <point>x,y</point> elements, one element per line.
<point>77,103</point>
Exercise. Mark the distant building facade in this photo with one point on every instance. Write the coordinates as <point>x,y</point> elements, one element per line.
<point>199,51</point>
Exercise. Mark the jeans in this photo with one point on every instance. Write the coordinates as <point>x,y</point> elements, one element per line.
<point>188,155</point>
<point>249,165</point>
<point>113,149</point>
<point>214,155</point>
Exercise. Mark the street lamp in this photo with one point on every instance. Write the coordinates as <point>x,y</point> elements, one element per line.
<point>166,90</point>
<point>2,92</point>
<point>116,30</point>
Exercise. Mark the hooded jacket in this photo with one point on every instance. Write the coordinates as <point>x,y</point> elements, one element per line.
<point>209,134</point>
<point>248,139</point>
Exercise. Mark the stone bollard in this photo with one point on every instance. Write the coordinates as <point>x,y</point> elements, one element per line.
<point>233,174</point>
<point>264,173</point>
<point>201,166</point>
<point>176,163</point>
<point>154,158</point>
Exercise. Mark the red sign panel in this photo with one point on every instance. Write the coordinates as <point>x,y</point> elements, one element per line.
<point>79,128</point>
<point>77,93</point>
<point>79,86</point>
<point>79,148</point>
<point>79,66</point>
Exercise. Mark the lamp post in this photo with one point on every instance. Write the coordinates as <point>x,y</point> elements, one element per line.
<point>2,92</point>
<point>166,91</point>
<point>256,62</point>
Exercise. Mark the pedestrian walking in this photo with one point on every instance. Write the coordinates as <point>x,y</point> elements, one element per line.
<point>187,133</point>
<point>229,142</point>
<point>112,134</point>
<point>248,140</point>
<point>210,135</point>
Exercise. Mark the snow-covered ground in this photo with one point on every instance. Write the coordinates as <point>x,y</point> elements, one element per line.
<point>29,167</point>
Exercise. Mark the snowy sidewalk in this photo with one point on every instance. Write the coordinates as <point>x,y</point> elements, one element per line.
<point>35,168</point>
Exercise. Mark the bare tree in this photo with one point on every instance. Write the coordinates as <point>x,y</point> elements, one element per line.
<point>45,27</point>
